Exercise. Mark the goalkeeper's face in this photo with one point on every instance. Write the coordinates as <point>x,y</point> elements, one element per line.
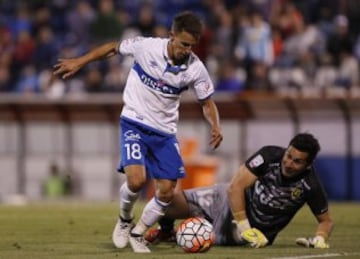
<point>294,162</point>
<point>180,47</point>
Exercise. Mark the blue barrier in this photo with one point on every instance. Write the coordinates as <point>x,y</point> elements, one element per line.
<point>333,173</point>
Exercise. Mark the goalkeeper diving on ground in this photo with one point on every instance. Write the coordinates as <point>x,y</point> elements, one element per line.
<point>260,200</point>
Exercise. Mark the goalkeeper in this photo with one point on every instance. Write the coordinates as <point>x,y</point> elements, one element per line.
<point>261,199</point>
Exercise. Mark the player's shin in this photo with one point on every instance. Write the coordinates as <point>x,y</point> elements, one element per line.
<point>152,213</point>
<point>127,201</point>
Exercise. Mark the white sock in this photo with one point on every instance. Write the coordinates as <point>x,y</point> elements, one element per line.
<point>127,201</point>
<point>152,213</point>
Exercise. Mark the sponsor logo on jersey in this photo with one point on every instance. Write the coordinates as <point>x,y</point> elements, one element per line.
<point>131,136</point>
<point>157,84</point>
<point>256,161</point>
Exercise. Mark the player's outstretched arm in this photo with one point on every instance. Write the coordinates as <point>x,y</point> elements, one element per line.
<point>68,67</point>
<point>322,233</point>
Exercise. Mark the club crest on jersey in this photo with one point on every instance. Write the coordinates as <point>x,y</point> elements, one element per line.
<point>256,161</point>
<point>296,193</point>
<point>131,136</point>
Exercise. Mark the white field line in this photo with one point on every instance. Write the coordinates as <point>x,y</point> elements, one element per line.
<point>317,256</point>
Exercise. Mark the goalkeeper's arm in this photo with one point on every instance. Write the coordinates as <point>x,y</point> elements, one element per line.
<point>236,193</point>
<point>322,234</point>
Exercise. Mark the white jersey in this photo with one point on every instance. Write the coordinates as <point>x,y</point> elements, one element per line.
<point>153,89</point>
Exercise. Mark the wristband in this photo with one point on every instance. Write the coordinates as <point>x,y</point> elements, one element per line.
<point>243,225</point>
<point>239,215</point>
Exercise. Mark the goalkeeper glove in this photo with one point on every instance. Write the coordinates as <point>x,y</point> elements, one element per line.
<point>243,233</point>
<point>313,242</point>
<point>254,237</point>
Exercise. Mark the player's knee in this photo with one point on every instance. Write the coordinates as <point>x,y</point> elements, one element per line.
<point>135,185</point>
<point>165,195</point>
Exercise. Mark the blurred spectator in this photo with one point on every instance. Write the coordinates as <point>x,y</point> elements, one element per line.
<point>6,47</point>
<point>228,79</point>
<point>254,44</point>
<point>55,185</point>
<point>254,49</point>
<point>46,50</point>
<point>351,9</point>
<point>348,74</point>
<point>145,21</point>
<point>325,21</point>
<point>22,21</point>
<point>277,42</point>
<point>223,42</point>
<point>28,81</point>
<point>107,24</point>
<point>76,87</point>
<point>264,7</point>
<point>50,85</point>
<point>24,49</point>
<point>115,79</point>
<point>306,38</point>
<point>326,74</point>
<point>79,21</point>
<point>59,10</point>
<point>161,31</point>
<point>202,49</point>
<point>93,80</point>
<point>285,16</point>
<point>340,40</point>
<point>357,48</point>
<point>260,80</point>
<point>5,82</point>
<point>42,18</point>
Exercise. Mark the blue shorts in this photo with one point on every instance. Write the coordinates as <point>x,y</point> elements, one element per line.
<point>157,151</point>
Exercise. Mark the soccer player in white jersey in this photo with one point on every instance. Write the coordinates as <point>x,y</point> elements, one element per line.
<point>163,69</point>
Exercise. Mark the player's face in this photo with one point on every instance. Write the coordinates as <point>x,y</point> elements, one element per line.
<point>294,162</point>
<point>181,45</point>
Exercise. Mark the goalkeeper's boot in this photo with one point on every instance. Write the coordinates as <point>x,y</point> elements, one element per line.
<point>121,232</point>
<point>156,235</point>
<point>138,243</point>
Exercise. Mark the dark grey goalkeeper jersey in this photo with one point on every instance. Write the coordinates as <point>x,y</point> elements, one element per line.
<point>274,200</point>
<point>270,203</point>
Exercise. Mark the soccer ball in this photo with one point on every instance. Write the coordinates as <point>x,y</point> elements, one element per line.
<point>195,235</point>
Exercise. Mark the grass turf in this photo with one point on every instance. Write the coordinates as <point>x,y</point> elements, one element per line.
<point>83,230</point>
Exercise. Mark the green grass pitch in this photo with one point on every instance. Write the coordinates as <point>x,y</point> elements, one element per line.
<point>79,230</point>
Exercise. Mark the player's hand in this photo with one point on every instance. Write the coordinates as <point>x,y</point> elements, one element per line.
<point>238,227</point>
<point>216,137</point>
<point>255,238</point>
<point>312,242</point>
<point>67,67</point>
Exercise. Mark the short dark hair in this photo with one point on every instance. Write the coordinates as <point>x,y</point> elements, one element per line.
<point>189,22</point>
<point>306,142</point>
